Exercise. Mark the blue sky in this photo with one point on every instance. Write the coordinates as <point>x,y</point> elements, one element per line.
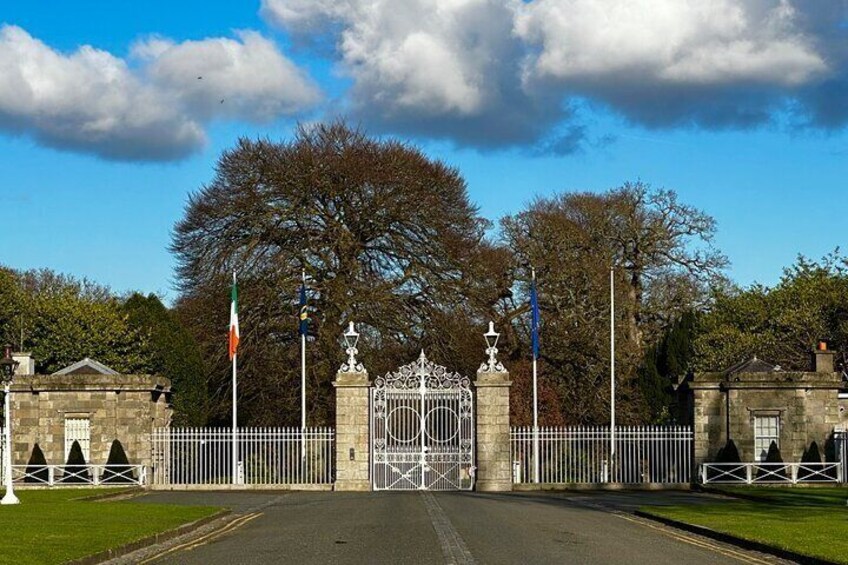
<point>105,128</point>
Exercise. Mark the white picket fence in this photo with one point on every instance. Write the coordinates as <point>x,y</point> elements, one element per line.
<point>581,455</point>
<point>185,457</point>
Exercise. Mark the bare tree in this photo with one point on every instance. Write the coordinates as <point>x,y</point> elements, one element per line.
<point>664,260</point>
<point>386,236</point>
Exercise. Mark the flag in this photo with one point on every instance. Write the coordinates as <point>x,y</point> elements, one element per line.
<point>534,320</point>
<point>304,315</point>
<point>234,324</point>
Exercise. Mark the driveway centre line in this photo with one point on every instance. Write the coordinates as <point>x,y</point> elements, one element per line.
<point>453,546</point>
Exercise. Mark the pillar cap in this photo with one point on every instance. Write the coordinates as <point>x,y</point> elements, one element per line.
<point>351,379</point>
<point>487,378</point>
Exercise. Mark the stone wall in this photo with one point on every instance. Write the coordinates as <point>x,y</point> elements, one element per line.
<point>123,407</point>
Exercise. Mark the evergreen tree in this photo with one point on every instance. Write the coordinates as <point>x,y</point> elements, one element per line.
<point>174,354</point>
<point>36,470</point>
<point>117,466</point>
<point>76,470</point>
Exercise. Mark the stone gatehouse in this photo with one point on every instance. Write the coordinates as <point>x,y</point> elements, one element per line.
<point>87,402</point>
<point>756,402</point>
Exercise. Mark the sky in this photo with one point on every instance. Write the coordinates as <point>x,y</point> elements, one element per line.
<point>111,114</point>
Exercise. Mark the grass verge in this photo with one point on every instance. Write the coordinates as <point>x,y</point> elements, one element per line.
<point>54,526</point>
<point>811,522</point>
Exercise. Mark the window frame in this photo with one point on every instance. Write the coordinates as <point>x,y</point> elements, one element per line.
<point>759,435</point>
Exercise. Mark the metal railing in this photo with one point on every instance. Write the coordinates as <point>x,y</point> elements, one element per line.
<point>266,456</point>
<point>771,473</point>
<point>78,475</point>
<point>581,455</point>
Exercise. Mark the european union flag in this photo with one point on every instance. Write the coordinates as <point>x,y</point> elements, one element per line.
<point>534,321</point>
<point>304,315</point>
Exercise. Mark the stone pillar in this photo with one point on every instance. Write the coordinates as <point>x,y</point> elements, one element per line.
<point>494,467</point>
<point>352,426</point>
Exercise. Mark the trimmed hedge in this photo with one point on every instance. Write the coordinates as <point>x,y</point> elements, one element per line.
<point>76,470</point>
<point>36,469</point>
<point>116,471</point>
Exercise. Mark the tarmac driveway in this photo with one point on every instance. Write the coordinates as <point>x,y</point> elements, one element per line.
<point>538,527</point>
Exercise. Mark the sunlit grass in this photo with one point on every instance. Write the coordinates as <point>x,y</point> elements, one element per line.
<point>810,521</point>
<point>54,526</point>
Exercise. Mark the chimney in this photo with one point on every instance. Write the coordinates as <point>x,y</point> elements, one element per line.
<point>27,363</point>
<point>823,358</point>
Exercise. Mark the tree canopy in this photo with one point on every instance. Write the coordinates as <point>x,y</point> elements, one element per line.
<point>780,324</point>
<point>664,263</point>
<point>385,236</point>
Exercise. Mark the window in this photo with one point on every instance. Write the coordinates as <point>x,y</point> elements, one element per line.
<point>78,429</point>
<point>766,430</point>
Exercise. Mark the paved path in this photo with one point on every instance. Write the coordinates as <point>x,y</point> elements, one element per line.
<point>438,528</point>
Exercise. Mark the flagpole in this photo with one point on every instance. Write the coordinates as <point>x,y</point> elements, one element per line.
<point>235,408</point>
<point>535,406</point>
<point>235,420</point>
<point>612,370</point>
<point>303,381</point>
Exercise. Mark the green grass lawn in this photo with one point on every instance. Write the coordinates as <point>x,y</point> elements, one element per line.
<point>54,526</point>
<point>810,521</point>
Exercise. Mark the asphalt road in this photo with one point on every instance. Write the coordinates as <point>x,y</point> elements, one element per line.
<point>425,528</point>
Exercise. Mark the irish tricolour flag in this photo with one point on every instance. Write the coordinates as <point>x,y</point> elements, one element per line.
<point>234,327</point>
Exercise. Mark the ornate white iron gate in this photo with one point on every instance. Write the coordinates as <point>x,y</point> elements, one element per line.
<point>422,429</point>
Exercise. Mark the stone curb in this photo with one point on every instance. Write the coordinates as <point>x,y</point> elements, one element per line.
<point>155,539</point>
<point>121,495</point>
<point>737,541</point>
<point>531,487</point>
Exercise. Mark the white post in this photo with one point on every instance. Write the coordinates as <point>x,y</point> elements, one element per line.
<point>303,386</point>
<point>612,371</point>
<point>235,424</point>
<point>535,410</point>
<point>9,497</point>
<point>303,382</point>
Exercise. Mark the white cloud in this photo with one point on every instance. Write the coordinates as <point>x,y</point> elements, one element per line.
<point>92,101</point>
<point>502,72</point>
<point>673,41</point>
<point>255,81</point>
<point>431,56</point>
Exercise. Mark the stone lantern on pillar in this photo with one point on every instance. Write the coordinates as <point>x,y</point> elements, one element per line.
<point>494,468</point>
<point>352,421</point>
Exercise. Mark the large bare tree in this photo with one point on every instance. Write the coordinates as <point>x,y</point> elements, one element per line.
<point>663,258</point>
<point>386,236</point>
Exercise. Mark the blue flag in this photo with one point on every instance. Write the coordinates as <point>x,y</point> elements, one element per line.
<point>534,321</point>
<point>304,315</point>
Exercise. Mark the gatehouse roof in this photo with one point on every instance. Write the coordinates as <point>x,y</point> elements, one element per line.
<point>87,367</point>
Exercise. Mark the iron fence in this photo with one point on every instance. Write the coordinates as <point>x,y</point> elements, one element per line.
<point>266,456</point>
<point>581,455</point>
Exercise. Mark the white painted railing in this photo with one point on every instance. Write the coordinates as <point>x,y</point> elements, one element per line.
<point>266,456</point>
<point>581,455</point>
<point>771,473</point>
<point>75,476</point>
